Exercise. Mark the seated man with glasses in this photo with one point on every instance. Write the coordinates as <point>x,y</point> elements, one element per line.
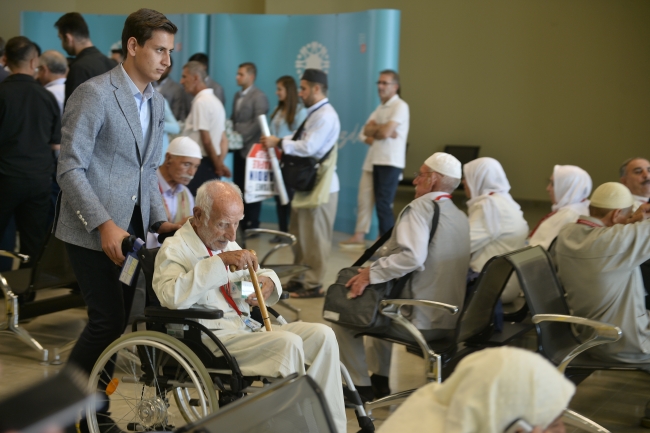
<point>439,271</point>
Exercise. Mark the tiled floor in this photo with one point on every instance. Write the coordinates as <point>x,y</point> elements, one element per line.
<point>614,399</point>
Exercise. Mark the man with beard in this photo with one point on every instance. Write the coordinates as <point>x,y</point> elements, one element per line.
<point>635,175</point>
<point>75,40</point>
<point>181,162</point>
<point>313,212</point>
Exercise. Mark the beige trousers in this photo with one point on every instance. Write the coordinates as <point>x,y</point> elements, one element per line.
<point>314,228</point>
<point>365,203</point>
<point>287,349</point>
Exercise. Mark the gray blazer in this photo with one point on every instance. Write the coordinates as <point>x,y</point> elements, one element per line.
<point>100,166</point>
<point>245,121</point>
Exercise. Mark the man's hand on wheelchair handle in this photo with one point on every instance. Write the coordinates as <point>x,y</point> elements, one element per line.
<point>358,283</point>
<point>267,286</point>
<point>241,259</point>
<point>112,236</point>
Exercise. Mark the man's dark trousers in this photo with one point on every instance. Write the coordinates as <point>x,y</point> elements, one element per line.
<point>251,210</point>
<point>384,183</point>
<point>108,300</point>
<point>28,199</point>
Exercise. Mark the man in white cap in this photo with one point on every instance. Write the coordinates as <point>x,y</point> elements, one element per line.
<point>182,159</point>
<point>635,175</point>
<point>598,259</point>
<point>439,270</point>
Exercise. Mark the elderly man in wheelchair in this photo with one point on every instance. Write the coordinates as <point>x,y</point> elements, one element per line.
<point>156,382</point>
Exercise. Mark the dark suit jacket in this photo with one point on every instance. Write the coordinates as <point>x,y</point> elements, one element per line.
<point>245,120</point>
<point>3,73</point>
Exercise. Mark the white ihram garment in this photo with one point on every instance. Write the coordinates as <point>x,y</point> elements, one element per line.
<point>572,187</point>
<point>497,225</point>
<point>186,276</point>
<point>489,390</point>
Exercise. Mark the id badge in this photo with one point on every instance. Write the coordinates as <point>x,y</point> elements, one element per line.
<point>252,324</point>
<point>129,269</point>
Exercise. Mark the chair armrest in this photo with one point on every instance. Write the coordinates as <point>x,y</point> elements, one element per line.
<point>24,258</point>
<point>452,309</point>
<point>291,238</point>
<point>576,420</point>
<point>434,366</point>
<point>190,313</point>
<point>604,333</point>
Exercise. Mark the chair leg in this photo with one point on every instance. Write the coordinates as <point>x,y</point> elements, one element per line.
<point>291,308</point>
<point>583,423</point>
<point>396,398</point>
<point>364,419</point>
<point>59,350</point>
<point>11,327</point>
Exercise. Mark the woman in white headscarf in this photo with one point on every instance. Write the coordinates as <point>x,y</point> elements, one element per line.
<point>496,222</point>
<point>569,188</point>
<point>489,391</point>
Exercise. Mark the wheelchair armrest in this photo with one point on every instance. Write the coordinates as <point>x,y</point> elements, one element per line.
<point>24,258</point>
<point>604,333</point>
<point>452,309</point>
<point>291,238</point>
<point>190,313</point>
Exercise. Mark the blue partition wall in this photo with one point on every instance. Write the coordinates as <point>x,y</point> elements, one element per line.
<point>352,48</point>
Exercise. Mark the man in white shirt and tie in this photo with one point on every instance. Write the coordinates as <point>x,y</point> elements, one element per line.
<point>313,212</point>
<point>635,175</point>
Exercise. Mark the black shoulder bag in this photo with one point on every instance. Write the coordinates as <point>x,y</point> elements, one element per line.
<point>299,172</point>
<point>362,313</point>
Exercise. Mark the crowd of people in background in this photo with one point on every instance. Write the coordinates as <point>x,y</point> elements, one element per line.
<point>55,135</point>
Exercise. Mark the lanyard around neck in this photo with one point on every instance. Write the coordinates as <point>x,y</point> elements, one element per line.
<point>588,223</point>
<point>225,291</point>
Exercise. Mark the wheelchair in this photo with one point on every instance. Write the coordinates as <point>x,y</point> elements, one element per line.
<point>165,377</point>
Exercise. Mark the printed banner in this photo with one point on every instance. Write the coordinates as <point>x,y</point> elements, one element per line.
<point>260,180</point>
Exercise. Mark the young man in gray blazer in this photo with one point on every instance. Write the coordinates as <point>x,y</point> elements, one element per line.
<point>110,149</point>
<point>249,103</point>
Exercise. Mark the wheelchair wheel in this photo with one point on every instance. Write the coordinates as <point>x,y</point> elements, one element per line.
<point>140,372</point>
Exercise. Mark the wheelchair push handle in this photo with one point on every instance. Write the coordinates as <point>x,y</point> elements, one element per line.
<point>258,293</point>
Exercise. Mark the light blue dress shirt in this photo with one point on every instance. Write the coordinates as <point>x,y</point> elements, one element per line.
<point>143,103</point>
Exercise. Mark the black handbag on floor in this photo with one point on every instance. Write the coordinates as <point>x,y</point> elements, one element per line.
<point>362,313</point>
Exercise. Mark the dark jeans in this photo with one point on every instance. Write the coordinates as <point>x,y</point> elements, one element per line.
<point>284,211</point>
<point>251,210</point>
<point>108,300</point>
<point>28,200</point>
<point>204,173</point>
<point>384,183</point>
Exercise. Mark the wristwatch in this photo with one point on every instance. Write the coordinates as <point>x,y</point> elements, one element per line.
<point>156,226</point>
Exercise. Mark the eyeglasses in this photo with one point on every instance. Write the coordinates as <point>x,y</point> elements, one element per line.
<point>385,83</point>
<point>417,174</point>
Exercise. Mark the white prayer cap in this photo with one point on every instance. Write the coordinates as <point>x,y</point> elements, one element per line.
<point>184,146</point>
<point>612,195</point>
<point>444,163</point>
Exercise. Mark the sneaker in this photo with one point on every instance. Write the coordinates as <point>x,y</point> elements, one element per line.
<point>350,398</point>
<point>278,240</point>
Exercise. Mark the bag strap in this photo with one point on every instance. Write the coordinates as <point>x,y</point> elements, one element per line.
<point>382,240</point>
<point>301,128</point>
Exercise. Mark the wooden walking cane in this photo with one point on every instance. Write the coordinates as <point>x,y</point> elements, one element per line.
<point>258,293</point>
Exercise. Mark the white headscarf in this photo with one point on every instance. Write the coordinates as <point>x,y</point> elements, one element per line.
<point>572,186</point>
<point>488,391</point>
<point>485,177</point>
